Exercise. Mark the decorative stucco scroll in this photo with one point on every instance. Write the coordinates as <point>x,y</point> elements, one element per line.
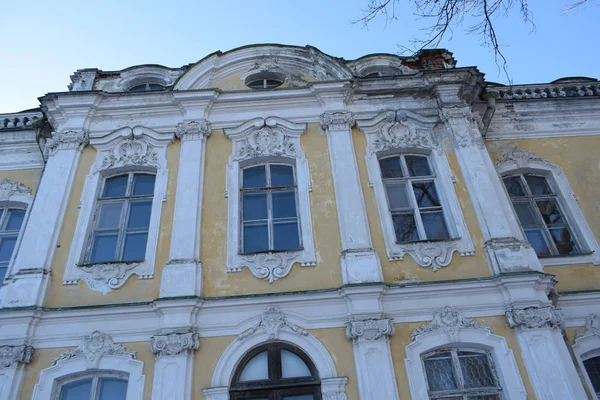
<point>450,321</point>
<point>592,327</point>
<point>369,329</point>
<point>61,140</point>
<point>464,125</point>
<point>337,121</point>
<point>272,322</point>
<point>521,158</point>
<point>93,348</point>
<point>534,317</point>
<point>11,355</point>
<point>193,130</point>
<point>174,344</point>
<point>10,188</point>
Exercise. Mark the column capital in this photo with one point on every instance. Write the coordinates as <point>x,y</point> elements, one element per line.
<point>70,139</point>
<point>337,121</point>
<point>464,125</point>
<point>193,130</point>
<point>534,317</point>
<point>174,344</point>
<point>11,355</point>
<point>369,330</point>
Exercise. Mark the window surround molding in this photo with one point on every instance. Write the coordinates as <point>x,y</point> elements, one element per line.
<point>137,149</point>
<point>97,352</point>
<point>264,140</point>
<point>450,328</point>
<point>587,345</point>
<point>514,160</point>
<point>395,132</point>
<point>273,325</point>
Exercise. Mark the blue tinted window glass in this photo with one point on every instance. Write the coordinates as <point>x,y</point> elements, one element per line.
<point>134,248</point>
<point>256,237</point>
<point>14,219</point>
<point>254,177</point>
<point>143,184</point>
<point>103,248</point>
<point>139,214</point>
<point>285,235</point>
<point>113,389</point>
<point>115,186</point>
<point>79,390</point>
<point>282,175</point>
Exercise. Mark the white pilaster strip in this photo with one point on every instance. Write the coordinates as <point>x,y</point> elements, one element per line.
<point>173,370</point>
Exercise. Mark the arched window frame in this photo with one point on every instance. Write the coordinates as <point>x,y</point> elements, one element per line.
<point>126,150</point>
<point>14,194</point>
<point>519,161</point>
<point>405,132</point>
<point>587,345</point>
<point>270,140</point>
<point>94,374</point>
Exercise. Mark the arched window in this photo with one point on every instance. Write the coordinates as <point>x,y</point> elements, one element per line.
<point>268,196</point>
<point>592,367</point>
<point>147,87</point>
<point>11,220</point>
<point>461,374</point>
<point>98,385</point>
<point>122,219</point>
<point>276,371</point>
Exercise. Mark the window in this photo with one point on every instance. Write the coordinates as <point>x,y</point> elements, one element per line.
<point>97,386</point>
<point>265,80</point>
<point>592,367</point>
<point>457,374</point>
<point>11,220</point>
<point>412,198</point>
<point>146,87</point>
<point>276,371</point>
<point>269,209</point>
<point>122,219</point>
<point>538,210</point>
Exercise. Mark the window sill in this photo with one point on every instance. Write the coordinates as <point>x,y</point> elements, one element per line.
<point>428,241</point>
<point>91,265</point>
<point>271,251</point>
<point>566,260</point>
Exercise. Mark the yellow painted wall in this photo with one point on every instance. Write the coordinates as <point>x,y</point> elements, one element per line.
<point>42,359</point>
<point>327,272</point>
<point>578,157</point>
<point>134,290</point>
<point>401,339</point>
<point>28,177</point>
<point>394,271</point>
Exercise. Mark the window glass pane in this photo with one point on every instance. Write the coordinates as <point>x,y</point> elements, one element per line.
<point>390,167</point>
<point>285,235</point>
<point>79,390</point>
<point>284,204</point>
<point>535,237</point>
<point>550,212</point>
<point>484,397</point>
<point>513,186</point>
<point>537,185</point>
<point>113,389</point>
<point>134,248</point>
<point>592,367</point>
<point>417,165</point>
<point>397,197</point>
<point>435,226</point>
<point>143,184</point>
<point>405,227</point>
<point>103,248</point>
<point>257,369</point>
<point>426,194</point>
<point>256,237</point>
<point>292,366</point>
<point>139,214</point>
<point>563,241</point>
<point>7,245</point>
<point>525,213</point>
<point>3,270</point>
<point>14,220</point>
<point>476,371</point>
<point>254,177</point>
<point>1,212</point>
<point>110,216</point>
<point>440,374</point>
<point>282,175</point>
<point>115,186</point>
<point>255,206</point>
<point>301,397</point>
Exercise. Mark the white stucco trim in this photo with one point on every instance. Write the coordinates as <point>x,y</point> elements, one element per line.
<point>407,132</point>
<point>504,360</point>
<point>264,139</point>
<point>587,345</point>
<point>126,149</point>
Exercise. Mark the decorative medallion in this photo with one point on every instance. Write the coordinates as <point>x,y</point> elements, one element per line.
<point>175,343</point>
<point>272,322</point>
<point>11,355</point>
<point>592,327</point>
<point>130,152</point>
<point>369,329</point>
<point>9,188</point>
<point>534,317</point>
<point>451,321</point>
<point>93,348</point>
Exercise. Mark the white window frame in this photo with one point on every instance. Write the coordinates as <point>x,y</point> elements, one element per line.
<point>405,132</point>
<point>94,375</point>
<point>266,141</point>
<point>136,149</point>
<point>519,161</point>
<point>587,345</point>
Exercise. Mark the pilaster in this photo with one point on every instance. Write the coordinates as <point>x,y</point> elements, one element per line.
<point>174,365</point>
<point>182,276</point>
<point>360,262</point>
<point>373,358</point>
<point>547,359</point>
<point>12,362</point>
<point>29,277</point>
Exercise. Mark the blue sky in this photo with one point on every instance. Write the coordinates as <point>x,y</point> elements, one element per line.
<point>43,42</point>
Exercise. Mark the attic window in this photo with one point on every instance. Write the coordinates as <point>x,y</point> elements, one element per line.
<point>380,72</point>
<point>265,80</point>
<point>146,87</point>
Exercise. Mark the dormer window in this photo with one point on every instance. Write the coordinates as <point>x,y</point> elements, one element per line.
<point>265,80</point>
<point>146,87</point>
<point>379,72</point>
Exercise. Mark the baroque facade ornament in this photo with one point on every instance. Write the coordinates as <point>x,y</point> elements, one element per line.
<point>71,139</point>
<point>434,255</point>
<point>534,317</point>
<point>272,322</point>
<point>450,321</point>
<point>193,130</point>
<point>463,125</point>
<point>265,141</point>
<point>273,266</point>
<point>522,158</point>
<point>9,188</point>
<point>11,355</point>
<point>369,329</point>
<point>108,276</point>
<point>93,348</point>
<point>396,131</point>
<point>592,327</point>
<point>174,344</point>
<point>337,121</point>
<point>130,152</point>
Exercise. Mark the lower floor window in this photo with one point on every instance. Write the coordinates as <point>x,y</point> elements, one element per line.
<point>96,386</point>
<point>460,374</point>
<point>592,367</point>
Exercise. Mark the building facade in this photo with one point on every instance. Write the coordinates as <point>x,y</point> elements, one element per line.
<point>273,222</point>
